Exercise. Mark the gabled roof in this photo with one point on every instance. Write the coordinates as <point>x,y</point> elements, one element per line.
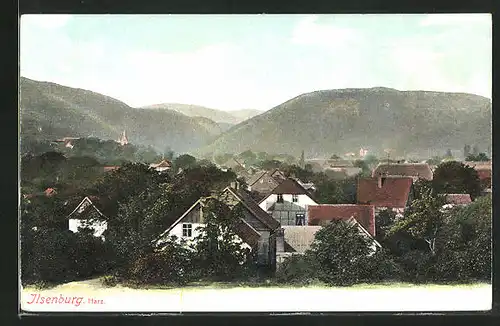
<point>364,214</point>
<point>85,204</point>
<point>256,177</point>
<point>254,208</point>
<point>393,193</point>
<point>245,230</point>
<point>458,199</point>
<point>162,164</point>
<point>277,175</point>
<point>421,170</point>
<point>482,165</point>
<point>299,238</point>
<point>352,221</point>
<point>290,187</point>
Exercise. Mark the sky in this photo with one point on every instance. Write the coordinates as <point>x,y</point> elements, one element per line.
<point>231,62</point>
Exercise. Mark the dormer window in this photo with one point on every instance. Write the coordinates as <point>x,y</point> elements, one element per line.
<point>280,198</point>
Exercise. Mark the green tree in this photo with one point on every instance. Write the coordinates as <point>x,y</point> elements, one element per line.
<point>481,157</point>
<point>341,254</point>
<point>302,161</point>
<point>456,178</point>
<point>185,161</point>
<point>466,243</point>
<point>248,157</point>
<point>219,252</point>
<point>424,219</point>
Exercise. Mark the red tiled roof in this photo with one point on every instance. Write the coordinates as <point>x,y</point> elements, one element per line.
<point>50,192</point>
<point>458,199</point>
<point>364,214</point>
<point>484,174</point>
<point>393,193</point>
<point>421,170</point>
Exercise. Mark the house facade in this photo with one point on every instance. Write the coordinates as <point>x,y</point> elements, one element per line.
<point>256,229</point>
<point>87,216</point>
<point>287,203</point>
<point>162,166</point>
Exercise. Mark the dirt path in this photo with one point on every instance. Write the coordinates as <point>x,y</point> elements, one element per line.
<point>89,295</point>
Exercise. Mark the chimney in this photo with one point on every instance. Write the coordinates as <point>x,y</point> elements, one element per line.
<point>235,185</point>
<point>280,240</point>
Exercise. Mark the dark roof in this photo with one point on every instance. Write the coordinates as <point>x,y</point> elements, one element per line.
<point>393,193</point>
<point>364,214</point>
<point>421,170</point>
<point>254,208</point>
<point>290,187</point>
<point>458,199</point>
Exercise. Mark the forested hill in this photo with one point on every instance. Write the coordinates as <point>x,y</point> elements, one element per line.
<point>340,121</point>
<point>49,111</point>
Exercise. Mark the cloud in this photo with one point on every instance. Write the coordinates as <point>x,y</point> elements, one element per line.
<point>46,21</point>
<point>309,32</point>
<point>452,19</point>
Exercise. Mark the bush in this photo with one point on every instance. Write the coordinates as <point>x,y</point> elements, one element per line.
<point>296,269</point>
<point>171,265</point>
<point>109,280</point>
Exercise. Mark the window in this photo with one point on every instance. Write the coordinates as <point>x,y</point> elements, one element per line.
<point>300,219</point>
<point>280,198</point>
<point>295,198</point>
<point>187,230</point>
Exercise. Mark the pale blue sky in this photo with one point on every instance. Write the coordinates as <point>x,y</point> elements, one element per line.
<point>255,61</point>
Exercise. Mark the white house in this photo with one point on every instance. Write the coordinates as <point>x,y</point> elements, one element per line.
<point>164,165</point>
<point>255,228</point>
<point>287,203</point>
<point>87,216</point>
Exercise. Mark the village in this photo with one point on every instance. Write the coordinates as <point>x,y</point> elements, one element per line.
<point>279,212</point>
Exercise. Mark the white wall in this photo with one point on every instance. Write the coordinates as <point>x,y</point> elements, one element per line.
<point>303,201</point>
<point>177,231</point>
<point>98,226</point>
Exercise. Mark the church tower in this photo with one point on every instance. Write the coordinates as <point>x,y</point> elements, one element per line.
<point>123,139</point>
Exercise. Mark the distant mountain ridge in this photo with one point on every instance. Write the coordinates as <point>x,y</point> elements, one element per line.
<point>340,121</point>
<point>225,117</point>
<point>50,111</point>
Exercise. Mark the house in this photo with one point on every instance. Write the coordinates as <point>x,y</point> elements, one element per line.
<point>394,193</point>
<point>342,166</point>
<point>162,166</point>
<point>293,240</point>
<point>67,141</point>
<point>87,216</point>
<point>256,228</point>
<point>287,203</point>
<point>265,181</point>
<point>364,214</point>
<point>232,164</point>
<point>110,168</point>
<point>413,170</point>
